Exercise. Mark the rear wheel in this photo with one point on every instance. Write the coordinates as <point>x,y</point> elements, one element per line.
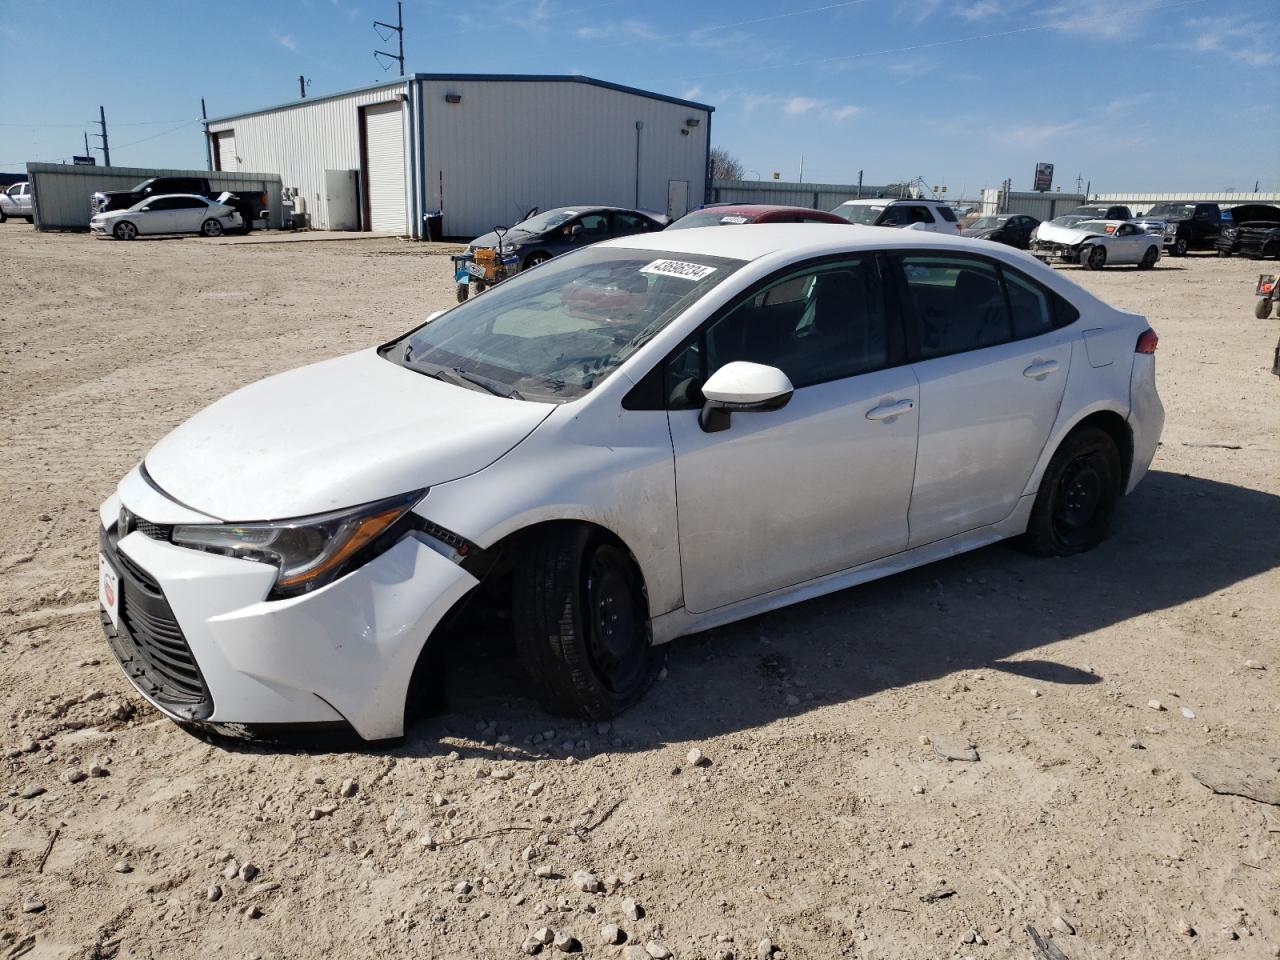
<point>125,230</point>
<point>581,619</point>
<point>1095,258</point>
<point>1224,252</point>
<point>534,259</point>
<point>1078,495</point>
<point>211,228</point>
<point>1149,259</point>
<point>3,216</point>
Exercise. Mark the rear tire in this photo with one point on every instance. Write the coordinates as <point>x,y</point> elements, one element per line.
<point>1078,495</point>
<point>1149,259</point>
<point>125,230</point>
<point>30,220</point>
<point>211,228</point>
<point>3,216</point>
<point>581,623</point>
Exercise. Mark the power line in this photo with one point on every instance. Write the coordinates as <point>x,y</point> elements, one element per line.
<point>135,123</point>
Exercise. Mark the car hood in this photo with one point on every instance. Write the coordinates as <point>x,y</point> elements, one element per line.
<point>513,235</point>
<point>331,435</point>
<point>1065,235</point>
<point>984,232</point>
<point>1255,213</point>
<point>114,214</point>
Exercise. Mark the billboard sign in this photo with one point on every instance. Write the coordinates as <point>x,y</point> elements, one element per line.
<point>1044,177</point>
<point>84,161</point>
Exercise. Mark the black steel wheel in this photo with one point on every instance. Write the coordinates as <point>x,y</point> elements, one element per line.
<point>1078,495</point>
<point>1149,259</point>
<point>581,622</point>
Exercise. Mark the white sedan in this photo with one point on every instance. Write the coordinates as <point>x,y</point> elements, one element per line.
<point>173,213</point>
<point>639,440</point>
<point>1095,244</point>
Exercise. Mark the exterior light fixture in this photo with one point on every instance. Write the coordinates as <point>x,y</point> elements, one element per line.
<point>453,98</point>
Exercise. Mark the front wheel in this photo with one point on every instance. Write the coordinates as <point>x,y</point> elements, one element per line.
<point>1179,248</point>
<point>3,216</point>
<point>581,618</point>
<point>1095,258</point>
<point>461,290</point>
<point>211,228</point>
<point>536,258</point>
<point>1149,259</point>
<point>1078,495</point>
<point>124,230</point>
<point>1262,309</point>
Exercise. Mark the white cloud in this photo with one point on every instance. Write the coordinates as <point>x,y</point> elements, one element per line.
<point>626,30</point>
<point>982,9</point>
<point>1125,104</point>
<point>798,105</point>
<point>287,41</point>
<point>793,106</point>
<point>1231,37</point>
<point>1103,19</point>
<point>1035,134</point>
<point>846,112</point>
<point>692,93</point>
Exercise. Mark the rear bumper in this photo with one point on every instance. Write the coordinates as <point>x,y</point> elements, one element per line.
<point>1146,416</point>
<point>344,653</point>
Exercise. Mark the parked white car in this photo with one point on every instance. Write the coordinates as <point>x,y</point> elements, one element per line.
<point>172,213</point>
<point>1095,244</point>
<point>638,440</point>
<point>16,202</point>
<point>932,215</point>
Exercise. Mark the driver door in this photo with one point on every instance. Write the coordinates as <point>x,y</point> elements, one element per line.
<point>820,485</point>
<point>1126,244</point>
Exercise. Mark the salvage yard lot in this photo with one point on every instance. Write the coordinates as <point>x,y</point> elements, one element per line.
<point>824,815</point>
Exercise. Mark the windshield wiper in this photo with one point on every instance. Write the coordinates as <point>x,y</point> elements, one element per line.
<point>493,386</point>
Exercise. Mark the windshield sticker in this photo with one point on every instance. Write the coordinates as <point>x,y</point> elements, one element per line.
<point>734,220</point>
<point>678,268</point>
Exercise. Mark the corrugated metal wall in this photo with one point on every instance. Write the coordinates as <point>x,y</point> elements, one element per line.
<point>62,191</point>
<point>511,145</point>
<point>300,141</point>
<point>1042,206</point>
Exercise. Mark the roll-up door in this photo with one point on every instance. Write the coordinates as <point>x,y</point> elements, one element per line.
<point>384,173</point>
<point>224,150</point>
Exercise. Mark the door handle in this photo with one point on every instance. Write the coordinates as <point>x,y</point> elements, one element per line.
<point>1040,369</point>
<point>890,409</point>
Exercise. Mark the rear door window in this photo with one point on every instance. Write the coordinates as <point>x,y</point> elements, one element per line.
<point>947,214</point>
<point>958,302</point>
<point>1030,305</point>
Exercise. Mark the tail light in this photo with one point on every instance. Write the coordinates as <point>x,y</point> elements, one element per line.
<point>1147,342</point>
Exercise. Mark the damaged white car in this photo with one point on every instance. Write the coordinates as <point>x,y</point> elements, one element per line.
<point>1095,244</point>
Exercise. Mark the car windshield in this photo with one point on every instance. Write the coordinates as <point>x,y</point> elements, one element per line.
<point>988,223</point>
<point>546,221</point>
<point>1182,210</point>
<point>1067,220</point>
<point>1092,212</point>
<point>555,333</point>
<point>859,212</point>
<point>139,187</point>
<point>1096,226</point>
<point>709,218</point>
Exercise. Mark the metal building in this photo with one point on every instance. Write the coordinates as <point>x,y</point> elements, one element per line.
<point>481,148</point>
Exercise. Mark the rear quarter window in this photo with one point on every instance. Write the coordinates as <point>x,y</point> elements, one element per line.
<point>947,214</point>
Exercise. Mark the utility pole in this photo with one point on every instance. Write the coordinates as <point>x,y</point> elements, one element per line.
<point>106,148</point>
<point>208,141</point>
<point>859,184</point>
<point>302,86</point>
<point>88,154</point>
<point>398,29</point>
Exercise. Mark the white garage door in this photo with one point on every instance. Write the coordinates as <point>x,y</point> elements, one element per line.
<point>384,145</point>
<point>226,150</point>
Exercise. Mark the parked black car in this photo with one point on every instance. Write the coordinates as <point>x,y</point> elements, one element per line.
<point>250,205</point>
<point>541,236</point>
<point>1011,229</point>
<point>1188,225</point>
<point>1254,231</point>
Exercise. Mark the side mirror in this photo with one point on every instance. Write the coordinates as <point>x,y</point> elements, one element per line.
<point>575,230</point>
<point>742,387</point>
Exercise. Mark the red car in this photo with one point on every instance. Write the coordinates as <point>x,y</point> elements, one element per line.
<point>731,214</point>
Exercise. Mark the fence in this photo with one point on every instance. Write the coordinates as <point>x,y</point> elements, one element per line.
<point>819,196</point>
<point>1142,202</point>
<point>60,192</point>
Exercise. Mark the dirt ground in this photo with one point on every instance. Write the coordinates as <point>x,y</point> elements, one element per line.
<point>824,817</point>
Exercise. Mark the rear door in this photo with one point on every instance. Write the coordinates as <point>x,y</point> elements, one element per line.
<point>992,366</point>
<point>823,484</point>
<point>189,214</point>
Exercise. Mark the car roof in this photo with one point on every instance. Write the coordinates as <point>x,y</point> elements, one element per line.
<point>185,196</point>
<point>866,201</point>
<point>808,239</point>
<point>755,209</point>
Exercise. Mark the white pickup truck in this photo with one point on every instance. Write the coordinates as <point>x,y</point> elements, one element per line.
<point>16,202</point>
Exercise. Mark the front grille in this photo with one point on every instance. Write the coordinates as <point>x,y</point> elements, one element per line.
<point>156,531</point>
<point>149,642</point>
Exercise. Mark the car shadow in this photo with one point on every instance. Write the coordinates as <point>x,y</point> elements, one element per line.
<point>1176,538</point>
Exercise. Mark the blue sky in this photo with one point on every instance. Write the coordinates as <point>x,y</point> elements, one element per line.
<point>1176,95</point>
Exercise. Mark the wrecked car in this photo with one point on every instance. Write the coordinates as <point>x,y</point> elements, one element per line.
<point>1254,232</point>
<point>1095,244</point>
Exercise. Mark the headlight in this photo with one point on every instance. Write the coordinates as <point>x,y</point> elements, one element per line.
<point>310,551</point>
<point>1170,229</point>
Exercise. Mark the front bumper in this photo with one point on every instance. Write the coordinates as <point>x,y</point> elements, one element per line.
<point>344,653</point>
<point>1054,252</point>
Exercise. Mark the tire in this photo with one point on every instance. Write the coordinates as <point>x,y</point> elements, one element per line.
<point>462,290</point>
<point>1078,495</point>
<point>1095,258</point>
<point>3,216</point>
<point>1149,259</point>
<point>535,258</point>
<point>1179,248</point>
<point>581,619</point>
<point>211,228</point>
<point>1262,309</point>
<point>125,230</point>
<point>30,220</point>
